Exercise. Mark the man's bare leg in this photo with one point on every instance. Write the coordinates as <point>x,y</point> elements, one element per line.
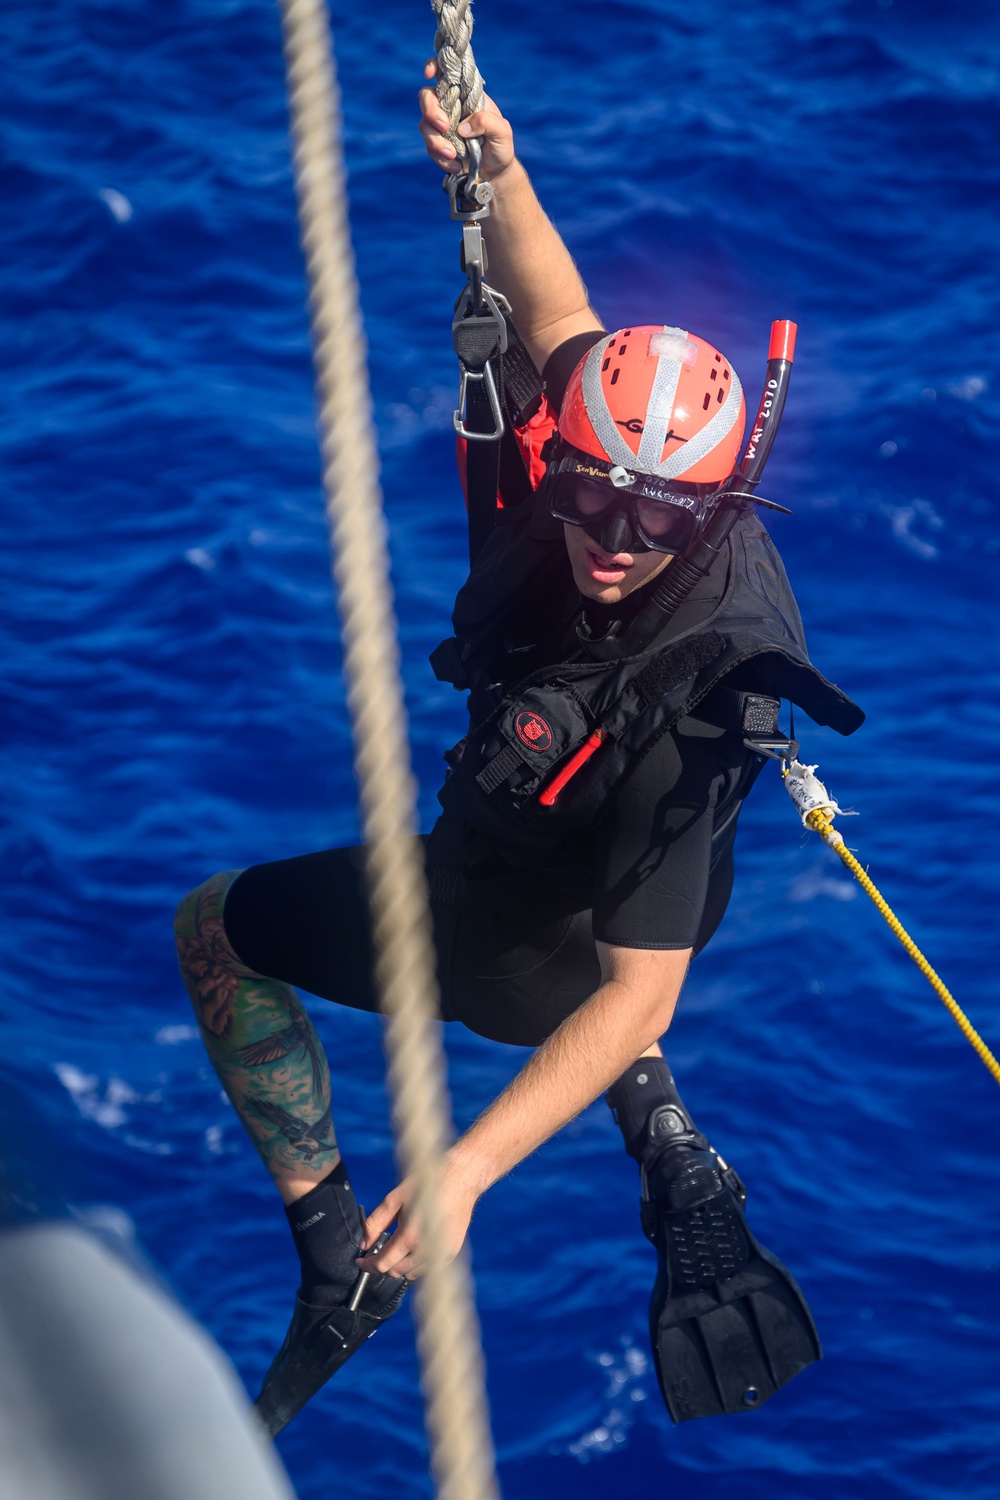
<point>261,1043</point>
<point>272,1065</point>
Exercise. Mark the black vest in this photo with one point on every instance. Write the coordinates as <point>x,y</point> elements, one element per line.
<point>538,694</point>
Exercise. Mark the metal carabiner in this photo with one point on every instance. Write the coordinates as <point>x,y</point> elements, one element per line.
<point>457,420</point>
<point>479,313</point>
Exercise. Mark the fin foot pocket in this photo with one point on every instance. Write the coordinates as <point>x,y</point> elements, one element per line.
<point>708,1244</point>
<point>320,1339</point>
<point>728,1324</point>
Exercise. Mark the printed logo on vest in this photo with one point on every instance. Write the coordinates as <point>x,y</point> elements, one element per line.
<point>533,731</point>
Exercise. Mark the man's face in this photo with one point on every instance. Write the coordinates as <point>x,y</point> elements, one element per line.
<point>605,577</point>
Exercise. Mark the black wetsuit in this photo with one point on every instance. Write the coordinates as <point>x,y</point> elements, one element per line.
<point>515,942</point>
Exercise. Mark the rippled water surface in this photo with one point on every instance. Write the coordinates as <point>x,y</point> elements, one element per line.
<point>172,705</point>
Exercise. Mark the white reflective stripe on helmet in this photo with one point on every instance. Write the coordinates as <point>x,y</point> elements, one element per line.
<point>701,444</point>
<point>599,412</point>
<point>660,409</point>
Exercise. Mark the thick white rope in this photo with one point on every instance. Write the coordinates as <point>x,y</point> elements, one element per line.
<point>448,1333</point>
<point>460,86</point>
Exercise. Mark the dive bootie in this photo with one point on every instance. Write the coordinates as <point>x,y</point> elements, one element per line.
<point>323,1336</point>
<point>727,1323</point>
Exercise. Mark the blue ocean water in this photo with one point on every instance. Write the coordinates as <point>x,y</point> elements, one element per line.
<point>172,705</point>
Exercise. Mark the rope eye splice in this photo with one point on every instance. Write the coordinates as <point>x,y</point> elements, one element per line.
<point>811,797</point>
<point>817,810</point>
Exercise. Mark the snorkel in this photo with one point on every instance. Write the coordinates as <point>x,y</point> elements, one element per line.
<point>734,498</point>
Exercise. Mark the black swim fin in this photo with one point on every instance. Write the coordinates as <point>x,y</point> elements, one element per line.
<point>727,1323</point>
<point>322,1337</point>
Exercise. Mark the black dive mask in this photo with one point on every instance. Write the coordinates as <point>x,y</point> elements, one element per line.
<point>623,511</point>
<point>614,531</point>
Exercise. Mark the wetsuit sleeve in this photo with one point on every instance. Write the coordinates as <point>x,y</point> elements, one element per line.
<point>563,361</point>
<point>663,874</point>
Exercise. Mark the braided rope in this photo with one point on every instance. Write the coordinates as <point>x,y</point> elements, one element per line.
<point>822,822</point>
<point>460,87</point>
<point>448,1333</point>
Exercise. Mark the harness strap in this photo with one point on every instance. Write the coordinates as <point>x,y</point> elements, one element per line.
<point>482,463</point>
<point>523,383</point>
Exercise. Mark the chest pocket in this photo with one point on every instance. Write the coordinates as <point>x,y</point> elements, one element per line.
<point>528,740</point>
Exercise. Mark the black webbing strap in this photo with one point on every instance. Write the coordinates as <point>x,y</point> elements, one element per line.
<point>499,769</point>
<point>523,383</point>
<point>482,466</point>
<point>522,388</point>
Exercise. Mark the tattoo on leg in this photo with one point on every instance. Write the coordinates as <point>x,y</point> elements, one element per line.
<point>257,1033</point>
<point>307,1139</point>
<point>279,1044</point>
<point>206,959</point>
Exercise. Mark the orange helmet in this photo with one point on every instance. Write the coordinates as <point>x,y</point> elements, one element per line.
<point>658,400</point>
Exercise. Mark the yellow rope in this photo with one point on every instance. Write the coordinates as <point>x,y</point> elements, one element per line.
<point>822,822</point>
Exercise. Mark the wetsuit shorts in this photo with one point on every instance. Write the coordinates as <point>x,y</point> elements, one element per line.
<point>516,945</point>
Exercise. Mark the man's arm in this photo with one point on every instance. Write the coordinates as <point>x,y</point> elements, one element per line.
<point>528,261</point>
<point>621,1020</point>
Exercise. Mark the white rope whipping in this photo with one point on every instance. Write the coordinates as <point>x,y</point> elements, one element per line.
<point>460,88</point>
<point>448,1332</point>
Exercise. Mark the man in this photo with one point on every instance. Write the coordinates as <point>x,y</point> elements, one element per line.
<point>584,854</point>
